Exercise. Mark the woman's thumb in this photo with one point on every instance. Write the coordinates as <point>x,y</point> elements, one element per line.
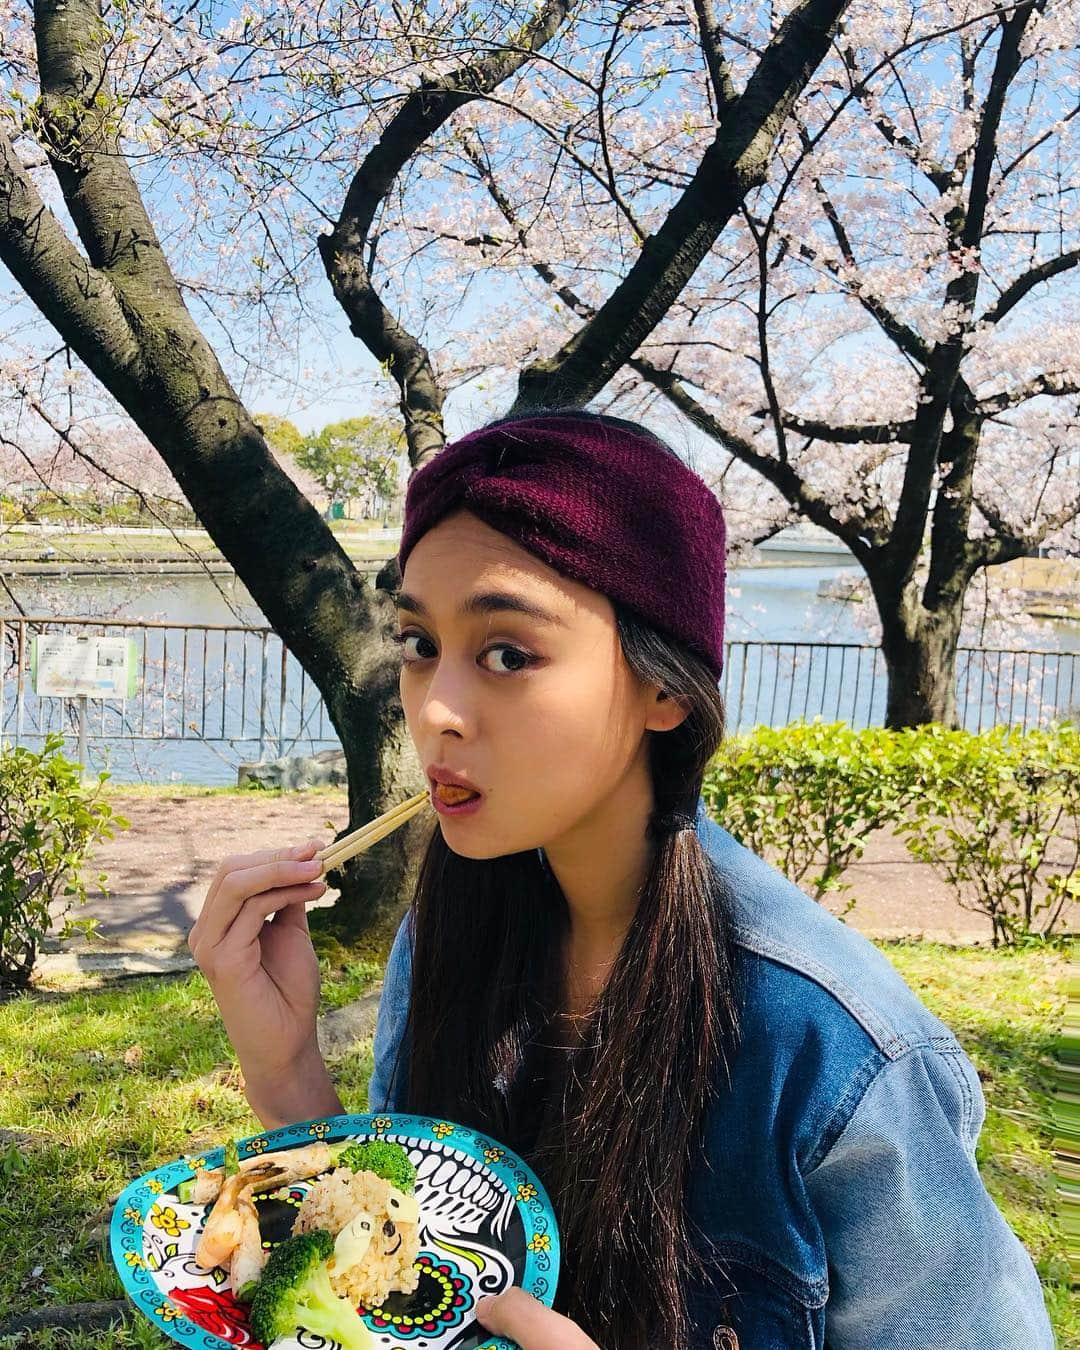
<point>522,1318</point>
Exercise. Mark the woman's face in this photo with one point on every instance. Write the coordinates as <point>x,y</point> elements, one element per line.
<point>541,714</point>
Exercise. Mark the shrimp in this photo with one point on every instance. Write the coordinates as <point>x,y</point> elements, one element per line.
<point>249,1255</point>
<point>225,1222</point>
<point>292,1165</point>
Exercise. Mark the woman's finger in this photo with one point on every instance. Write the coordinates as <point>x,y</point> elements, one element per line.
<point>240,885</point>
<point>295,916</point>
<point>522,1318</point>
<point>250,921</point>
<point>240,861</point>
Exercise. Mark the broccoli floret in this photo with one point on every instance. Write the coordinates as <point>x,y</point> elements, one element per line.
<point>295,1291</point>
<point>386,1160</point>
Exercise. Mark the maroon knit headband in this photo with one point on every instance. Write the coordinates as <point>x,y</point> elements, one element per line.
<point>599,502</point>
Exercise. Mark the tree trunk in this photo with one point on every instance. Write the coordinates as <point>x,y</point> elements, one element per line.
<point>383,770</point>
<point>920,656</point>
<point>121,310</point>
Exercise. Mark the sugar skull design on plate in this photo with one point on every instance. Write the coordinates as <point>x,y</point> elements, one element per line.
<point>485,1222</point>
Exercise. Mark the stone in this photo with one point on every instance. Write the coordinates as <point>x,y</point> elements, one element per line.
<point>342,1028</point>
<point>326,768</point>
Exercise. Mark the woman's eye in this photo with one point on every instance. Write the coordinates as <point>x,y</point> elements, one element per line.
<point>514,656</point>
<point>402,638</point>
<point>517,659</point>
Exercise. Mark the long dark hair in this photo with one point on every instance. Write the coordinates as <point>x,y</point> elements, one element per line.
<point>613,1126</point>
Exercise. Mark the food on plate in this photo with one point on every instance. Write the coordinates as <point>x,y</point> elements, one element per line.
<point>226,1221</point>
<point>249,1255</point>
<point>231,1236</point>
<point>295,1291</point>
<point>386,1160</point>
<point>364,1201</point>
<point>376,1231</point>
<point>292,1164</point>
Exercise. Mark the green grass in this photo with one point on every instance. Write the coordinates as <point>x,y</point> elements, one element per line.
<point>1007,1009</point>
<point>97,1121</point>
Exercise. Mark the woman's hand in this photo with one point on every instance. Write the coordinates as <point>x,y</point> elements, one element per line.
<point>265,977</point>
<point>522,1318</point>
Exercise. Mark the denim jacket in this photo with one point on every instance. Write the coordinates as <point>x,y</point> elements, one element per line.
<point>839,1188</point>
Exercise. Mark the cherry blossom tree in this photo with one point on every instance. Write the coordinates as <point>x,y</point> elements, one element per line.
<point>138,135</point>
<point>887,337</point>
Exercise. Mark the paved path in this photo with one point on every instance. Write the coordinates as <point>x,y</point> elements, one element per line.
<point>159,869</point>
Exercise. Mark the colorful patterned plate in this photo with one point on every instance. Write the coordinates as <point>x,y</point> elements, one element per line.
<point>485,1223</point>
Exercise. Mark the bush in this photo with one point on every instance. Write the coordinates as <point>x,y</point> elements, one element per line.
<point>11,512</point>
<point>999,815</point>
<point>48,822</point>
<point>807,796</point>
<point>996,814</point>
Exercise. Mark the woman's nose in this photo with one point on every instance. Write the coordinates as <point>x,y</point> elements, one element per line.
<point>446,703</point>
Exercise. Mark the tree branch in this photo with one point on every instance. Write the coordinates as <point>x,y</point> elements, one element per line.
<point>866,433</point>
<point>906,338</point>
<point>79,131</point>
<point>1009,543</point>
<point>421,114</point>
<point>862,536</point>
<point>736,161</point>
<point>78,301</point>
<point>937,174</point>
<point>709,34</point>
<point>1011,296</point>
<point>475,154</point>
<point>1006,65</point>
<point>1049,384</point>
<point>939,381</point>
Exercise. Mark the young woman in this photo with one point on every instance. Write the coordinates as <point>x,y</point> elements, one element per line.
<point>754,1135</point>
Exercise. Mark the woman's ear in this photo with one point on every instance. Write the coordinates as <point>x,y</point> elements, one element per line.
<point>664,712</point>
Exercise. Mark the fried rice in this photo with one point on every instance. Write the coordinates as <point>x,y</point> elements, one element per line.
<point>387,1266</point>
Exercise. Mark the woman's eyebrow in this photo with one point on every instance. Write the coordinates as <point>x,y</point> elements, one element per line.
<point>486,602</point>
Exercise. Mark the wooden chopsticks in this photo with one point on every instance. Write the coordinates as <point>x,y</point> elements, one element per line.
<point>349,845</point>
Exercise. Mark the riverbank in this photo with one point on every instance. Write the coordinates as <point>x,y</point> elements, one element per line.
<point>46,549</point>
<point>1047,587</point>
<point>61,550</point>
<point>159,869</point>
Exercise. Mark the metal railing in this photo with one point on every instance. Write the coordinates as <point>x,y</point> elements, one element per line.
<point>235,685</point>
<point>776,682</point>
<point>213,683</point>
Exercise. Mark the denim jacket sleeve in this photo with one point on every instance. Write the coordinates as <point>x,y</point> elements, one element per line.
<point>386,1090</point>
<point>918,1253</point>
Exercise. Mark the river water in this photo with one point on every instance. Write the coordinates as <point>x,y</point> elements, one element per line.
<point>205,744</point>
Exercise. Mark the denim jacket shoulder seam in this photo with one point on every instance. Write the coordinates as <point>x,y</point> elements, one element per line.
<point>893,1044</point>
<point>946,1047</point>
<point>880,1032</point>
<point>845,1109</point>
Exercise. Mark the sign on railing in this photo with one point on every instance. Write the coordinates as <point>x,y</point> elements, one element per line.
<point>82,666</point>
<point>65,666</point>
